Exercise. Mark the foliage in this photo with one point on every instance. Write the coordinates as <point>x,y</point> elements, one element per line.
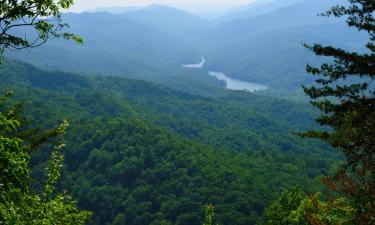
<point>40,21</point>
<point>209,215</point>
<point>346,95</point>
<point>288,209</point>
<point>18,204</point>
<point>29,24</point>
<point>295,208</point>
<point>142,154</point>
<point>337,211</point>
<point>14,157</point>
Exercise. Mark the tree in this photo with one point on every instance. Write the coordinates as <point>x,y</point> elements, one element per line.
<point>295,208</point>
<point>209,215</point>
<point>287,209</point>
<point>19,204</point>
<point>344,92</point>
<point>30,23</point>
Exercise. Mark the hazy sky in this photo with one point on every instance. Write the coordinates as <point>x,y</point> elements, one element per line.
<point>81,5</point>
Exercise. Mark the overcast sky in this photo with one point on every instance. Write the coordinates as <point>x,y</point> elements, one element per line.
<point>82,5</point>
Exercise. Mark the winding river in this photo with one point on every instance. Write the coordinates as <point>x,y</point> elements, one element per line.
<point>234,84</point>
<point>197,65</point>
<point>231,84</point>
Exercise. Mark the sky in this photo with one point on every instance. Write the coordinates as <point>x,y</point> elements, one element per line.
<point>191,5</point>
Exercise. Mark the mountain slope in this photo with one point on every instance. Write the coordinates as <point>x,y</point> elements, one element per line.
<point>166,19</point>
<point>112,44</point>
<point>153,42</point>
<point>139,153</point>
<point>300,14</point>
<point>278,58</point>
<point>257,8</point>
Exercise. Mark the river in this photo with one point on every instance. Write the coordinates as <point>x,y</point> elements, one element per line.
<point>197,65</point>
<point>231,84</point>
<point>234,84</point>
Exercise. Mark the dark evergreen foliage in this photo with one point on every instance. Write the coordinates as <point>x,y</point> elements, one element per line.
<point>345,93</point>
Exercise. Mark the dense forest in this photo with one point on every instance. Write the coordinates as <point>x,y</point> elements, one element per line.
<point>115,130</point>
<point>167,154</point>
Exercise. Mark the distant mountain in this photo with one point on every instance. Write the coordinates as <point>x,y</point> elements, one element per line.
<point>301,14</point>
<point>113,44</point>
<point>116,10</point>
<point>278,58</point>
<point>210,11</point>
<point>268,49</point>
<point>153,42</point>
<point>257,8</point>
<point>165,18</point>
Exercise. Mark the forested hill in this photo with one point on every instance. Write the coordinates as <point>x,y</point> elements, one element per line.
<point>152,43</point>
<point>139,153</point>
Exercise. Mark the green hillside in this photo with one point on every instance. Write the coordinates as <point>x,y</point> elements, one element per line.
<point>140,153</point>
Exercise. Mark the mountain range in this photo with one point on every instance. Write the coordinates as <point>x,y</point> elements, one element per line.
<point>152,43</point>
<point>153,142</point>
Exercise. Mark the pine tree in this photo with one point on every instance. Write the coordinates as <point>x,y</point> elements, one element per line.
<point>344,92</point>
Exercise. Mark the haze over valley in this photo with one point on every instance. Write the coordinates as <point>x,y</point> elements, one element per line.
<point>260,43</point>
<point>185,113</point>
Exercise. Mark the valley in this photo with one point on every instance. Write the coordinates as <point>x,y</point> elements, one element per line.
<point>230,83</point>
<point>234,84</point>
<point>166,153</point>
<point>171,113</point>
<point>197,65</point>
<point>155,41</point>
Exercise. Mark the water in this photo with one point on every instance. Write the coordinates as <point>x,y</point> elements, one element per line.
<point>234,84</point>
<point>197,65</point>
<point>231,84</point>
